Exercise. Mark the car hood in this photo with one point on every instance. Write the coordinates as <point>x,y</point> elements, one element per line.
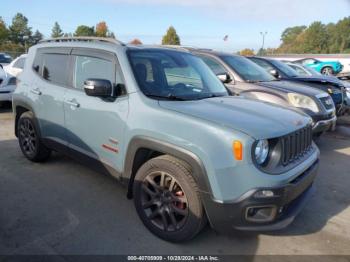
<point>290,86</point>
<point>319,80</point>
<point>257,119</point>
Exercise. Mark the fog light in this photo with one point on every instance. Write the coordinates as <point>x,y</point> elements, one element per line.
<point>264,193</point>
<point>261,214</point>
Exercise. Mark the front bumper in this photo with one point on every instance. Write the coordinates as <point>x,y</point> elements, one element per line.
<point>287,202</point>
<point>324,125</point>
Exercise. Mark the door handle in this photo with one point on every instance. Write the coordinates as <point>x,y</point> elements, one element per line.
<point>72,102</point>
<point>36,91</point>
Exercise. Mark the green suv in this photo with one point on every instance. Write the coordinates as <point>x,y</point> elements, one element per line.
<point>161,122</point>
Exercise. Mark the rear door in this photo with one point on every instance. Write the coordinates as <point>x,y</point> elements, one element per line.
<point>48,91</point>
<point>95,126</point>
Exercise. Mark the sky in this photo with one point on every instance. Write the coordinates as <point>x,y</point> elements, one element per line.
<point>200,23</point>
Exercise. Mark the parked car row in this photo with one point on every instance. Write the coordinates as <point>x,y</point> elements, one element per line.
<point>159,119</point>
<point>8,74</point>
<point>245,78</point>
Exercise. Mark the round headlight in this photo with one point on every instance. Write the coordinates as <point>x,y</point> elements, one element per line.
<point>261,151</point>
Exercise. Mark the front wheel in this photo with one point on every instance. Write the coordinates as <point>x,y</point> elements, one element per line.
<point>167,200</point>
<point>29,139</point>
<point>327,71</point>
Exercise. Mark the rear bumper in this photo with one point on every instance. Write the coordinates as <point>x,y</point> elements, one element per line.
<point>281,208</point>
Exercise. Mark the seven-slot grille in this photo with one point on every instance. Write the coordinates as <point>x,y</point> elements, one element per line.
<point>296,144</point>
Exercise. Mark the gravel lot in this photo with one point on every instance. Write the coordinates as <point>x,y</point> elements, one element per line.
<point>61,207</point>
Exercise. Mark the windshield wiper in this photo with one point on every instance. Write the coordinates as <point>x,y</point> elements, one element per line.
<point>254,81</point>
<point>168,97</point>
<point>209,96</point>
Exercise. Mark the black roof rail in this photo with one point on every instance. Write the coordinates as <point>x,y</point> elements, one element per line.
<point>83,39</point>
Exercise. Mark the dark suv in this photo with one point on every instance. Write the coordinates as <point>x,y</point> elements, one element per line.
<point>243,77</point>
<point>284,72</point>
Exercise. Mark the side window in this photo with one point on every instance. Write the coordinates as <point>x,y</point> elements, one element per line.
<point>38,63</point>
<point>263,64</point>
<point>19,63</point>
<point>55,68</point>
<point>91,67</point>
<point>298,70</point>
<point>217,68</point>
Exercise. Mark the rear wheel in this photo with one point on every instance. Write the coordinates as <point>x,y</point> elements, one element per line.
<point>167,200</point>
<point>29,139</point>
<point>327,70</point>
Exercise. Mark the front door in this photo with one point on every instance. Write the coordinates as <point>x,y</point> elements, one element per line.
<point>95,126</point>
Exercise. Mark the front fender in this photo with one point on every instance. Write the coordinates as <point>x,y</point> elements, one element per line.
<point>138,142</point>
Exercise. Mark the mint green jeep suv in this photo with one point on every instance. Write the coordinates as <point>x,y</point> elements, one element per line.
<point>160,121</point>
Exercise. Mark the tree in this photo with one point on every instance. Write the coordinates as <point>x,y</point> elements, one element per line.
<point>68,35</point>
<point>101,29</point>
<point>246,52</point>
<point>19,29</point>
<point>291,33</point>
<point>135,42</point>
<point>315,39</point>
<point>171,37</point>
<point>56,31</point>
<point>37,36</point>
<point>4,33</point>
<point>339,36</point>
<point>84,30</point>
<point>111,35</point>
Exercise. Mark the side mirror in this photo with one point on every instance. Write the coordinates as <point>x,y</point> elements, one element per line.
<point>274,73</point>
<point>1,66</point>
<point>98,87</point>
<point>224,78</point>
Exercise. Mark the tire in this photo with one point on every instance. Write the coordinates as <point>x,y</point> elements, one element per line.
<point>29,139</point>
<point>327,71</point>
<point>173,211</point>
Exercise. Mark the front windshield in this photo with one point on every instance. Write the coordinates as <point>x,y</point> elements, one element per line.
<point>290,72</point>
<point>246,69</point>
<point>170,74</point>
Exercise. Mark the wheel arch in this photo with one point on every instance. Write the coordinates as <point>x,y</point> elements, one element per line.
<point>19,108</point>
<point>142,148</point>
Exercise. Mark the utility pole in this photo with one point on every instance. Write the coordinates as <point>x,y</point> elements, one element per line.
<point>25,38</point>
<point>263,34</point>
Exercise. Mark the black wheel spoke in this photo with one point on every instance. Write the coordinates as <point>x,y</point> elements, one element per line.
<point>153,184</point>
<point>164,220</point>
<point>180,211</point>
<point>149,204</point>
<point>173,219</point>
<point>154,214</point>
<point>148,191</point>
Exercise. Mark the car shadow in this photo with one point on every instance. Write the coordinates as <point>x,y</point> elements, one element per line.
<point>64,207</point>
